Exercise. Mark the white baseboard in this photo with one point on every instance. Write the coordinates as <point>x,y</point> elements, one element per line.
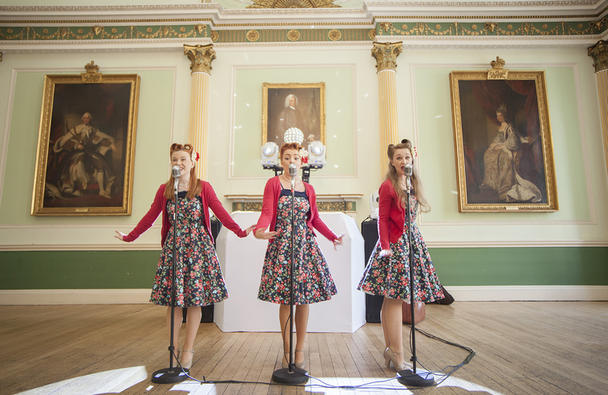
<point>485,293</point>
<point>491,293</point>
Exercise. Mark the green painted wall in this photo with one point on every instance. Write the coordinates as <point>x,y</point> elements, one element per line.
<point>349,74</point>
<point>455,266</point>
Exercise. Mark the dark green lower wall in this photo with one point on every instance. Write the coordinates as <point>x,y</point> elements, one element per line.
<point>455,266</point>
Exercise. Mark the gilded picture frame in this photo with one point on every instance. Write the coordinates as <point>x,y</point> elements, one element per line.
<point>502,141</point>
<point>300,105</point>
<point>86,144</point>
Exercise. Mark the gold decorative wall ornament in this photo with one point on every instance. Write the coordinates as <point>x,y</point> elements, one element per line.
<point>293,35</point>
<point>253,35</point>
<point>199,28</point>
<point>92,75</point>
<point>293,4</point>
<point>200,57</point>
<point>334,35</point>
<point>498,72</point>
<point>386,55</point>
<point>97,30</point>
<point>490,26</point>
<point>599,53</point>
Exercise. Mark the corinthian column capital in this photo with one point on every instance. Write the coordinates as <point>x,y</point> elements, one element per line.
<point>200,57</point>
<point>386,55</point>
<point>599,53</point>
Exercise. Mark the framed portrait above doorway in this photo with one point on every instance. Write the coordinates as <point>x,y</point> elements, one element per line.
<point>502,140</point>
<point>86,144</point>
<point>293,105</point>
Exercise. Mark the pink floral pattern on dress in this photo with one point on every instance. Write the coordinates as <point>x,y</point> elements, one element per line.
<point>313,282</point>
<point>390,276</point>
<point>198,274</point>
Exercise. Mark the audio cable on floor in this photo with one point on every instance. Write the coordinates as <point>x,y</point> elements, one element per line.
<point>443,374</point>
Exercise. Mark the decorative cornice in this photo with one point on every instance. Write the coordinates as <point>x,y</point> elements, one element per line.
<point>599,53</point>
<point>200,57</point>
<point>481,29</point>
<point>386,55</point>
<point>292,4</point>
<point>375,21</point>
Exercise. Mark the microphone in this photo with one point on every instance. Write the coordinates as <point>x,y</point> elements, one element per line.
<point>292,174</point>
<point>175,172</point>
<point>408,170</point>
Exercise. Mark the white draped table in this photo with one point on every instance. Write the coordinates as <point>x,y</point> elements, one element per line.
<point>242,260</point>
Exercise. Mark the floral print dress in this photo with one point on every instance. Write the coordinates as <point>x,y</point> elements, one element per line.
<point>198,274</point>
<point>390,276</point>
<point>312,281</point>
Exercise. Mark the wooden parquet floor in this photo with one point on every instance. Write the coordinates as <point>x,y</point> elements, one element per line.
<point>521,348</point>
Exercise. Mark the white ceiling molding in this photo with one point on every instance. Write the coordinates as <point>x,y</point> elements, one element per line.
<point>367,15</point>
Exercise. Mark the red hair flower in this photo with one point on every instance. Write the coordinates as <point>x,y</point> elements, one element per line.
<point>195,156</point>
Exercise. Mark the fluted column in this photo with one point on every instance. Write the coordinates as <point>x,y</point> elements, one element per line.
<point>200,58</point>
<point>388,128</point>
<point>599,53</point>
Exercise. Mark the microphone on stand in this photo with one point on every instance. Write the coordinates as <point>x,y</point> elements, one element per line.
<point>292,174</point>
<point>409,377</point>
<point>175,172</point>
<point>172,374</point>
<point>408,170</point>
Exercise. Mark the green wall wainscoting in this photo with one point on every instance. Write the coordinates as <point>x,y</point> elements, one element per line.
<point>455,266</point>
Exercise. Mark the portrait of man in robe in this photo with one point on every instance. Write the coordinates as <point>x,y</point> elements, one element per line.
<point>86,146</point>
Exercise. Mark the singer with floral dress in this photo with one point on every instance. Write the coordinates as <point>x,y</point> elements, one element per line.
<point>312,280</point>
<point>198,276</point>
<point>387,272</point>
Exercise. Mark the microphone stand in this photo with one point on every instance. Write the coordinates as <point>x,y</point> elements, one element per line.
<point>409,377</point>
<point>172,374</point>
<point>291,375</point>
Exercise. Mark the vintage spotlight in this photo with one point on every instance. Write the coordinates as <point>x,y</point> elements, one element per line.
<point>314,160</point>
<point>316,155</point>
<point>270,155</point>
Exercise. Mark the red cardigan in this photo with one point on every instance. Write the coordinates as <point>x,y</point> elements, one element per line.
<point>391,216</point>
<point>159,204</point>
<point>272,192</point>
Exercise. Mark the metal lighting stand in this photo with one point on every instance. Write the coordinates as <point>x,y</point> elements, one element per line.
<point>291,375</point>
<point>172,374</point>
<point>409,377</point>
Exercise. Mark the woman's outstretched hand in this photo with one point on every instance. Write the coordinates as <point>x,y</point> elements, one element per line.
<point>262,234</point>
<point>338,242</point>
<point>249,229</point>
<point>119,235</point>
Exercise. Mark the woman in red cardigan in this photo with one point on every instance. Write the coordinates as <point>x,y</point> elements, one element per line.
<point>313,282</point>
<point>198,274</point>
<point>387,272</point>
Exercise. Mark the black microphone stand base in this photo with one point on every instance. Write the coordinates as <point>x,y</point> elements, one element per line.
<point>410,379</point>
<point>294,377</point>
<point>170,375</point>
